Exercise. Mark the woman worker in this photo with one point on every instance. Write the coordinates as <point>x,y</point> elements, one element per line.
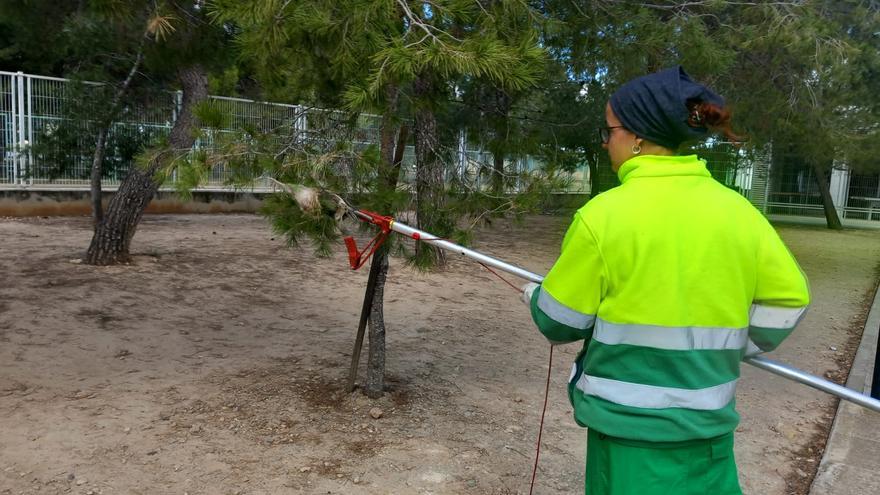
<point>670,280</point>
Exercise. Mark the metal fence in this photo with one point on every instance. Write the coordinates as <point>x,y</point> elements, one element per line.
<point>863,198</point>
<point>45,142</point>
<point>788,186</point>
<point>781,183</point>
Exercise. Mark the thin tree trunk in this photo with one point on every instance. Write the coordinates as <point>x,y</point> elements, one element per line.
<point>112,239</point>
<point>498,172</point>
<point>501,102</point>
<point>375,382</point>
<point>399,150</point>
<point>97,161</point>
<point>366,310</point>
<point>374,385</point>
<point>429,170</point>
<point>594,177</point>
<point>101,142</point>
<point>831,218</point>
<point>392,157</point>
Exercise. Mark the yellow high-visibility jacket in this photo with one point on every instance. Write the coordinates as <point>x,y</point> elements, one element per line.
<point>669,279</point>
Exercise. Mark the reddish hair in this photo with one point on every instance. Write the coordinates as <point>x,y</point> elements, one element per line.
<point>712,117</point>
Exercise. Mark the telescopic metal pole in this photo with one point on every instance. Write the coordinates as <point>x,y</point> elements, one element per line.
<point>774,367</point>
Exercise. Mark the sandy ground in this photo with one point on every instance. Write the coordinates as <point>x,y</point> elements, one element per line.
<point>215,363</point>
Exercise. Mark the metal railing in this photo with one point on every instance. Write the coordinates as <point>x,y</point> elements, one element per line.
<point>44,144</point>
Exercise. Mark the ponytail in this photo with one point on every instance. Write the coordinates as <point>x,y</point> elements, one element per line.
<point>712,117</point>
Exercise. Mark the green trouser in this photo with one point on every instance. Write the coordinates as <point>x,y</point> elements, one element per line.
<point>616,466</point>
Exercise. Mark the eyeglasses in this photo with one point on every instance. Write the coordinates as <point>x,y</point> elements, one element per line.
<point>605,132</point>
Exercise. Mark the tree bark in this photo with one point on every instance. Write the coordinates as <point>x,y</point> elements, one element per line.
<point>399,150</point>
<point>101,141</point>
<point>501,104</point>
<point>112,239</point>
<point>95,181</point>
<point>831,218</point>
<point>366,310</point>
<point>374,385</point>
<point>498,172</point>
<point>594,177</point>
<point>429,169</point>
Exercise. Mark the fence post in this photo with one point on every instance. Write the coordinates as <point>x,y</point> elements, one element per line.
<point>462,153</point>
<point>178,103</point>
<point>30,131</point>
<point>13,132</point>
<point>21,137</point>
<point>839,185</point>
<point>761,164</point>
<point>302,123</point>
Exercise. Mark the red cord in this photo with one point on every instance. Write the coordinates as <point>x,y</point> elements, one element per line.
<point>549,365</point>
<point>546,393</point>
<point>493,272</point>
<point>417,237</point>
<point>541,427</point>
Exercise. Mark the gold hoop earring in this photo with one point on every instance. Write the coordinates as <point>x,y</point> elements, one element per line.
<point>636,149</point>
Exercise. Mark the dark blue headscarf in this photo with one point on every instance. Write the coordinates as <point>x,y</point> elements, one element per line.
<point>654,107</point>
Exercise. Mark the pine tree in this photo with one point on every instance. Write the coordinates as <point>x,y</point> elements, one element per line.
<point>98,41</point>
<point>195,48</point>
<point>401,60</point>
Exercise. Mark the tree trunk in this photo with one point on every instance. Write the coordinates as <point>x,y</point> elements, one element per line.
<point>399,150</point>
<point>374,385</point>
<point>112,239</point>
<point>101,141</point>
<point>594,177</point>
<point>501,103</point>
<point>498,172</point>
<point>97,161</point>
<point>831,218</point>
<point>429,171</point>
<point>392,157</point>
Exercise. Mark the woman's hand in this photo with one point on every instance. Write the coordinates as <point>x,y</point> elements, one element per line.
<point>527,291</point>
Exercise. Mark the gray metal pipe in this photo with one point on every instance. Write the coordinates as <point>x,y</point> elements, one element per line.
<point>468,253</point>
<point>822,384</point>
<point>774,367</point>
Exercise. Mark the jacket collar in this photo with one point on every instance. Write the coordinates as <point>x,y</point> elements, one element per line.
<point>662,166</point>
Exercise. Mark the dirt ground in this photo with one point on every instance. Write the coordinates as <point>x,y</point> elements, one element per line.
<point>215,364</point>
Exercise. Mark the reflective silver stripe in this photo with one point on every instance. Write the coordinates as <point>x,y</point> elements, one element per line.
<point>562,313</point>
<point>672,338</point>
<point>775,316</point>
<point>653,397</point>
<point>752,349</point>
